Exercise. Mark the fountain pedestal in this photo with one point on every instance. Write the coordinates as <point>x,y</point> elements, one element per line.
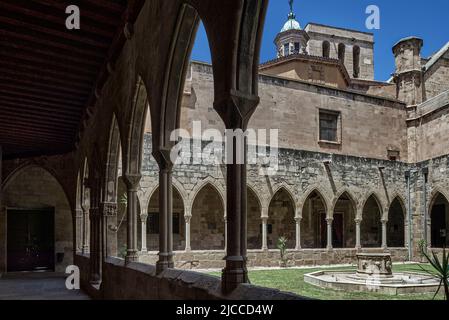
<point>374,264</point>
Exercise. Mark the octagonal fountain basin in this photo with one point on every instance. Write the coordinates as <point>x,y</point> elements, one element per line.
<point>374,274</point>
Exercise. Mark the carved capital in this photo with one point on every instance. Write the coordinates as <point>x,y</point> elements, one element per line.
<point>108,209</point>
<point>236,109</point>
<point>132,181</point>
<point>187,218</point>
<point>78,213</point>
<point>128,30</point>
<point>298,219</point>
<point>329,220</point>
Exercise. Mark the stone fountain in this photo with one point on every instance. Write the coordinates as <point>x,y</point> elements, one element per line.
<point>374,274</point>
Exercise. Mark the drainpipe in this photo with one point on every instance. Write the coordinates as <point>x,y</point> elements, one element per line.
<point>409,216</point>
<point>425,172</point>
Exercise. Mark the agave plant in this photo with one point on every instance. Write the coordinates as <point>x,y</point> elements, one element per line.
<point>282,246</point>
<point>441,268</point>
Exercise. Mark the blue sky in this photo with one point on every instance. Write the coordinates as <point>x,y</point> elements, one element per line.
<point>399,18</point>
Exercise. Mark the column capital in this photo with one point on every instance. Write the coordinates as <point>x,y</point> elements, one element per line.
<point>187,218</point>
<point>108,209</point>
<point>264,219</point>
<point>162,155</point>
<point>144,217</point>
<point>384,221</point>
<point>329,220</point>
<point>298,219</point>
<point>358,221</point>
<point>79,213</point>
<point>132,181</point>
<point>236,108</point>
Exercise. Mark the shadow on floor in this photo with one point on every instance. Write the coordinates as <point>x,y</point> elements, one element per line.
<point>37,286</point>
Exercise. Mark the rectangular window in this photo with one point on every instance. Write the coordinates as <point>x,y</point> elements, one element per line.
<point>329,125</point>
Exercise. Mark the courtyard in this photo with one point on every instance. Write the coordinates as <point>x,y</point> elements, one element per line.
<point>292,280</point>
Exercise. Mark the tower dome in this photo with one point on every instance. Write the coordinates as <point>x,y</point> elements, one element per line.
<point>291,24</point>
<point>291,39</point>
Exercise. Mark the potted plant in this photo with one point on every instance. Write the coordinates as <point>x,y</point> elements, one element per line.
<point>440,268</point>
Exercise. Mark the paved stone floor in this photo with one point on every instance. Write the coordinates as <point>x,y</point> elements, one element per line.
<point>37,286</point>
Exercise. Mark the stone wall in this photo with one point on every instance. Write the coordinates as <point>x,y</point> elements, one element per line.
<point>138,281</point>
<point>271,258</point>
<point>436,79</point>
<point>296,105</point>
<point>34,188</point>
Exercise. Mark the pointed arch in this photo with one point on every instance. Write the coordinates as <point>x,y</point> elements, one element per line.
<point>281,217</point>
<point>320,192</point>
<point>214,183</point>
<point>375,195</point>
<point>254,214</point>
<point>344,212</point>
<point>133,153</point>
<point>208,218</point>
<point>439,218</point>
<point>289,192</point>
<point>349,195</point>
<point>112,164</point>
<point>396,218</point>
<point>371,225</point>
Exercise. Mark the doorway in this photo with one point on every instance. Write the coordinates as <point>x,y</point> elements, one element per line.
<point>30,240</point>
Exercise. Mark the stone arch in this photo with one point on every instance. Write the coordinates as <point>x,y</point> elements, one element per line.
<point>281,218</point>
<point>341,52</point>
<point>371,225</point>
<point>113,158</point>
<point>201,184</point>
<point>208,219</point>
<point>344,212</point>
<point>32,190</point>
<point>439,218</point>
<point>132,153</point>
<point>314,212</point>
<point>286,188</point>
<point>254,224</point>
<point>382,204</point>
<point>179,210</point>
<point>396,222</point>
<point>321,192</point>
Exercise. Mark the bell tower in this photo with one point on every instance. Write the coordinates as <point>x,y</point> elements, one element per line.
<point>291,39</point>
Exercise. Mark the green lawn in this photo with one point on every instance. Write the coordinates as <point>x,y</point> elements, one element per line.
<point>292,280</point>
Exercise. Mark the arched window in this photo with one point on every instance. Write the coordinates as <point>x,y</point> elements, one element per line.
<point>341,52</point>
<point>356,61</point>
<point>326,49</point>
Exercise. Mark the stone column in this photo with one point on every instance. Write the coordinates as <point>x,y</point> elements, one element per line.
<point>132,184</point>
<point>235,109</point>
<point>86,227</point>
<point>264,234</point>
<point>188,219</point>
<point>79,230</point>
<point>225,220</point>
<point>109,213</point>
<point>329,233</point>
<point>165,212</point>
<point>95,245</point>
<point>298,232</point>
<point>143,221</point>
<point>384,234</point>
<point>358,245</point>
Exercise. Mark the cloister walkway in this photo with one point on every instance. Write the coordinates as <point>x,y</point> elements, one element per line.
<point>37,286</point>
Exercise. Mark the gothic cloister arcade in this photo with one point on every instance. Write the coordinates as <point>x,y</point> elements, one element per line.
<point>109,209</point>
